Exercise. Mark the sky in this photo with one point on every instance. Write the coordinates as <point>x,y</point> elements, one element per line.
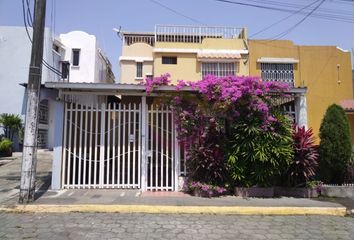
<point>99,17</point>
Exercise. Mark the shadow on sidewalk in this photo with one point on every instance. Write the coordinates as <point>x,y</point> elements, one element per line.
<point>44,185</point>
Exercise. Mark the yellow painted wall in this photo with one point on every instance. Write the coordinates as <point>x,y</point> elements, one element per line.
<point>128,71</point>
<point>207,43</point>
<point>215,43</point>
<point>128,67</point>
<point>187,67</point>
<point>137,49</point>
<point>316,70</point>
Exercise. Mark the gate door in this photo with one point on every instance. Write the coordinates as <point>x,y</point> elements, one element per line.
<point>161,149</point>
<point>101,146</point>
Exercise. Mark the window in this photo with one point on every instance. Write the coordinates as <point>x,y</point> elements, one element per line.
<point>279,72</point>
<point>65,70</point>
<point>139,70</point>
<point>56,48</point>
<point>219,69</point>
<point>76,57</point>
<point>169,60</point>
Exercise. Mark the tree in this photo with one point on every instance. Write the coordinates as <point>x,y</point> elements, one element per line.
<point>335,147</point>
<point>11,124</point>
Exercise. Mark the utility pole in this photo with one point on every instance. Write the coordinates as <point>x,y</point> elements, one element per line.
<point>29,154</point>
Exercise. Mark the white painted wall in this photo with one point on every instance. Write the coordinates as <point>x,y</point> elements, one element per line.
<point>15,55</point>
<point>85,72</point>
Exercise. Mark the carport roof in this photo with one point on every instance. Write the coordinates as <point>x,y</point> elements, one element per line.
<point>118,88</point>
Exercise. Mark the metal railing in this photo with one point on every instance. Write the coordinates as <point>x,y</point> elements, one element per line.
<point>195,34</point>
<point>130,39</point>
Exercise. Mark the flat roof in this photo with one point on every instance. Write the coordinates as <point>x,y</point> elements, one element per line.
<point>119,88</point>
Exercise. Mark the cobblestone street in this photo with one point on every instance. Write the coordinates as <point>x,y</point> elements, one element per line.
<point>172,226</point>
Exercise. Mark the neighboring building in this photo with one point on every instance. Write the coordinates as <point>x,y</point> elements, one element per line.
<point>189,53</point>
<point>324,70</point>
<point>75,56</point>
<point>15,55</point>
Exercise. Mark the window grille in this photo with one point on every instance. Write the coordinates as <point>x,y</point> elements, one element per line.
<point>139,69</point>
<point>219,69</point>
<point>43,116</point>
<point>42,138</point>
<point>278,72</point>
<point>289,109</point>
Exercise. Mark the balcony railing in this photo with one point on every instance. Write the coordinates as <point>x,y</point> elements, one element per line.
<point>133,38</point>
<point>195,34</point>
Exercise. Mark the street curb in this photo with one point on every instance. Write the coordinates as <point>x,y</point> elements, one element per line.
<point>235,210</point>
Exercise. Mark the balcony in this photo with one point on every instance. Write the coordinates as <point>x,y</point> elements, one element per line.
<point>183,34</point>
<point>196,34</point>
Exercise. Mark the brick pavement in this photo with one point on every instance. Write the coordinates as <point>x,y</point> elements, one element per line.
<point>172,226</point>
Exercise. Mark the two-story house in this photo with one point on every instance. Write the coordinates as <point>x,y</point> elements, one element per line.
<point>317,75</point>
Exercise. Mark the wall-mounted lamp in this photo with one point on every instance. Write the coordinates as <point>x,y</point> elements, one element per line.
<point>338,80</point>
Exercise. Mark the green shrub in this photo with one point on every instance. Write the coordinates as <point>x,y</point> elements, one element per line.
<point>335,146</point>
<point>11,124</point>
<point>258,156</point>
<point>5,147</point>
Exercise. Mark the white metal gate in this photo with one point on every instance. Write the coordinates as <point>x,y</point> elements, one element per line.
<point>102,147</point>
<point>162,153</point>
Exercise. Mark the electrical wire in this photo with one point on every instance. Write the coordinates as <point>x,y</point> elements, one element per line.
<point>47,65</point>
<point>283,19</point>
<point>176,12</point>
<point>284,33</point>
<point>276,6</point>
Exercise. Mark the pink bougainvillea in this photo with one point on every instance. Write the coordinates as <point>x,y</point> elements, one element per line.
<point>162,80</point>
<point>202,117</point>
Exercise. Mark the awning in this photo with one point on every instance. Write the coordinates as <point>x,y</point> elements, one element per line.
<point>277,60</point>
<point>218,54</point>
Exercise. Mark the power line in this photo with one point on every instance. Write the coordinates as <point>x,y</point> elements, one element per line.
<point>47,65</point>
<point>283,19</point>
<point>298,23</point>
<point>176,12</point>
<point>276,6</point>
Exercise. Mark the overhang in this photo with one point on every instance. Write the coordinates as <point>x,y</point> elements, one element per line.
<point>124,89</point>
<point>218,55</point>
<point>136,59</point>
<point>200,51</point>
<point>277,60</point>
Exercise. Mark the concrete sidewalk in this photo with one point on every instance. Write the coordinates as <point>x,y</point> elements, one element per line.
<point>133,201</point>
<point>124,200</point>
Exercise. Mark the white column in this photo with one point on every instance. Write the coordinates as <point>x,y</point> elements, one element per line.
<point>301,110</point>
<point>143,142</point>
<point>58,148</point>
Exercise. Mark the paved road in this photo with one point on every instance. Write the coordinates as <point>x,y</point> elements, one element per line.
<point>172,226</point>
